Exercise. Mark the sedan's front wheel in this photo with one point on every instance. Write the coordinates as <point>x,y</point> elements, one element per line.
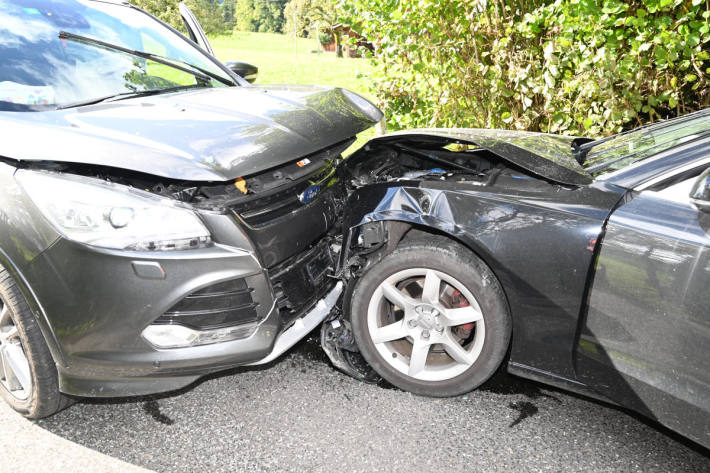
<point>431,318</point>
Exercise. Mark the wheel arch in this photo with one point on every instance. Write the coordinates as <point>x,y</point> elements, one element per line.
<point>35,306</point>
<point>433,226</point>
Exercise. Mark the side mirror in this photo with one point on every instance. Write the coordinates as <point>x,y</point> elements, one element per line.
<point>700,193</point>
<point>243,70</point>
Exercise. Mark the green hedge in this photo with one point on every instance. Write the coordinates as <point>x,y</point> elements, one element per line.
<point>584,67</point>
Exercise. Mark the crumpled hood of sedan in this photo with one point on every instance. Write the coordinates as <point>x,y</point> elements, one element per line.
<point>202,135</point>
<point>545,155</point>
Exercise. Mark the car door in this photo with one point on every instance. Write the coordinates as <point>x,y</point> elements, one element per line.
<point>646,338</point>
<point>194,29</point>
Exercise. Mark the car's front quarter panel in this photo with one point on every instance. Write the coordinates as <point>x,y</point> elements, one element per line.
<point>539,244</point>
<point>24,233</point>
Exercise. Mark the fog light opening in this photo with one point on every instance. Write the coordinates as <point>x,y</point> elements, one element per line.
<point>178,336</point>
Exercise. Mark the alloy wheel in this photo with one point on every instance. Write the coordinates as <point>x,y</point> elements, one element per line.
<point>426,324</point>
<point>15,375</point>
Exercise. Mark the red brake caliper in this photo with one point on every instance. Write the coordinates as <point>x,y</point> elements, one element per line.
<point>458,300</point>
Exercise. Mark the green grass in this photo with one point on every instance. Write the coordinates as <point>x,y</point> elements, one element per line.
<point>280,62</point>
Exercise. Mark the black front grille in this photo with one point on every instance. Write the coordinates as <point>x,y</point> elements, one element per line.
<point>219,305</point>
<point>302,280</point>
<point>260,211</point>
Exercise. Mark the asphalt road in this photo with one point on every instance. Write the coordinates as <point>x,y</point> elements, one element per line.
<point>299,414</point>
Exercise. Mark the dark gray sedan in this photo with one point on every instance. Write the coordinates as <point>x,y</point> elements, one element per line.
<point>582,264</point>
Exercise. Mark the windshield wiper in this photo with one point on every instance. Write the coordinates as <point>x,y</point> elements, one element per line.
<point>198,72</point>
<point>125,95</point>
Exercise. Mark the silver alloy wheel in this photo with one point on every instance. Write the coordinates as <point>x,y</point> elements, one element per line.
<point>426,324</point>
<point>15,373</point>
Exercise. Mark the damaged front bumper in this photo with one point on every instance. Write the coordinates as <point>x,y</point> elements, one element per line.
<point>338,342</point>
<point>103,337</point>
<point>303,326</point>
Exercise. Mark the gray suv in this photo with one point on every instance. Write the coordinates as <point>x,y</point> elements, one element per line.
<point>160,217</point>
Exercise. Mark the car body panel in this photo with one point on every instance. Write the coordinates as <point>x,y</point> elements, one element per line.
<point>646,337</point>
<point>539,244</point>
<point>24,235</point>
<point>241,130</point>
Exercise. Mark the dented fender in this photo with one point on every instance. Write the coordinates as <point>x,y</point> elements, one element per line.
<point>517,233</point>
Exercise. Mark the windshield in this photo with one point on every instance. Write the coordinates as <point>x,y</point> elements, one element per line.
<point>618,151</point>
<point>43,71</point>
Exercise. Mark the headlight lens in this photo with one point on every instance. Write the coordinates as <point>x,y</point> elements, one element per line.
<point>364,105</point>
<point>111,215</point>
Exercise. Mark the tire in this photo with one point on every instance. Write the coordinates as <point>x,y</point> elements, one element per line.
<point>22,346</point>
<point>431,277</point>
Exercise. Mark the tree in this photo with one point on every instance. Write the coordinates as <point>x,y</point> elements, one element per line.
<point>215,16</point>
<point>244,13</point>
<point>265,16</point>
<point>328,18</point>
<point>165,10</point>
<point>210,15</point>
<point>304,15</point>
<point>228,11</point>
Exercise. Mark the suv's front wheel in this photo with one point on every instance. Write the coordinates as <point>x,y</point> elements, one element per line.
<point>431,318</point>
<point>28,376</point>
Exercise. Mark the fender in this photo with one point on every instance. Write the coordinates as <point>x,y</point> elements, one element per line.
<point>516,234</point>
<point>35,306</point>
<point>408,203</point>
<point>23,236</point>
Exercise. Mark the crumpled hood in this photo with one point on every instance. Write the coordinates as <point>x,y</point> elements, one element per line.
<point>546,155</point>
<point>214,134</point>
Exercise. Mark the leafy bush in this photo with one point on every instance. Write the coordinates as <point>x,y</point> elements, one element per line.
<point>572,66</point>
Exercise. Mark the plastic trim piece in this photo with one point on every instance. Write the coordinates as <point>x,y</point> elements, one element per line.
<point>303,326</point>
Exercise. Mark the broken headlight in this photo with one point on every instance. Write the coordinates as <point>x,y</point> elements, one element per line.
<point>110,215</point>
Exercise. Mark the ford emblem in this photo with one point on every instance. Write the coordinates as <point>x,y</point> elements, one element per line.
<point>309,194</point>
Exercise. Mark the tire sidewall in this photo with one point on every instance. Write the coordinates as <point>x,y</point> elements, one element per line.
<point>26,406</point>
<point>45,398</point>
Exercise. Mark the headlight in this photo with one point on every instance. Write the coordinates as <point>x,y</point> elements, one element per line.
<point>364,105</point>
<point>110,215</point>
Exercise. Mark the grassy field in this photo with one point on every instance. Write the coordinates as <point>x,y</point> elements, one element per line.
<point>281,62</point>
